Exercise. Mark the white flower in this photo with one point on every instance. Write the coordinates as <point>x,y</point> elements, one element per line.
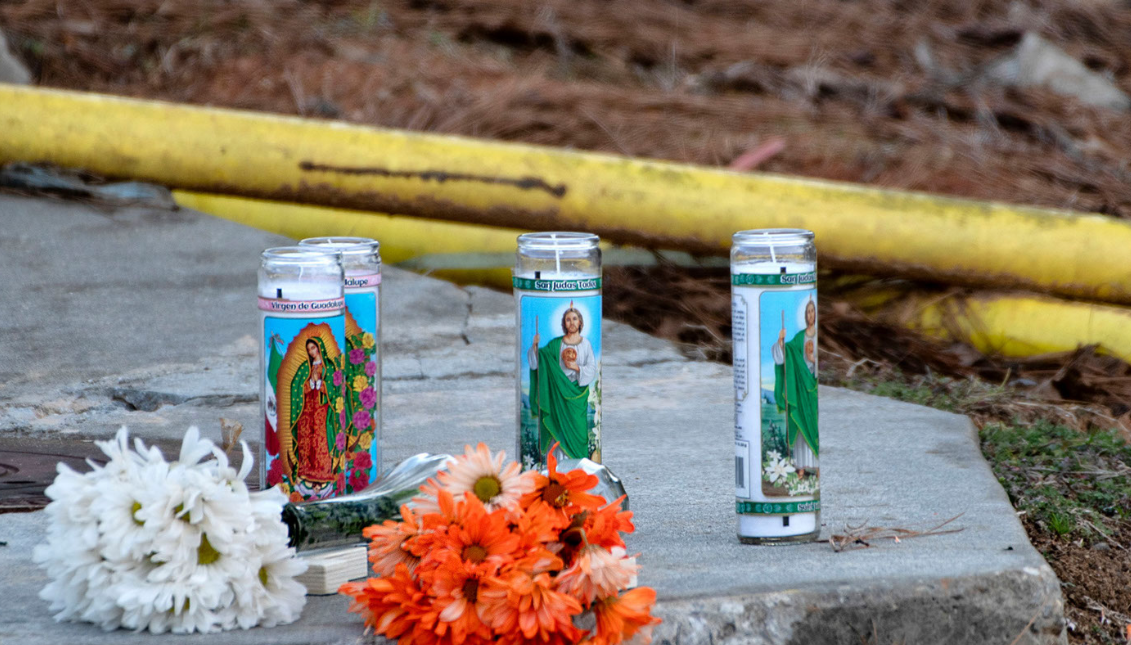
<point>779,470</point>
<point>482,474</point>
<point>183,547</point>
<point>773,455</point>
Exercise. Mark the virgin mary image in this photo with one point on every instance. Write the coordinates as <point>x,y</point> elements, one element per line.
<point>307,401</point>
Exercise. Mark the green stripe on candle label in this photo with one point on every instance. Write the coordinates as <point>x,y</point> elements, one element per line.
<point>529,284</point>
<point>772,279</point>
<point>743,507</point>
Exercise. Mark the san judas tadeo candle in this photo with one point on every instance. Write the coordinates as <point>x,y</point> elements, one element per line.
<point>302,336</point>
<point>361,262</point>
<point>774,327</point>
<point>557,289</point>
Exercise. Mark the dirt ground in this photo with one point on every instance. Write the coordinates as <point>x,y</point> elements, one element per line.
<point>887,92</point>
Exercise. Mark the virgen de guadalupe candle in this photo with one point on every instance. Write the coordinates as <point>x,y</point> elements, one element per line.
<point>557,288</point>
<point>302,336</point>
<point>361,262</point>
<point>774,326</point>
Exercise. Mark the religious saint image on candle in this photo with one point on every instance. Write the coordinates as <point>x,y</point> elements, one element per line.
<point>305,444</point>
<point>560,364</point>
<point>359,370</point>
<point>788,393</point>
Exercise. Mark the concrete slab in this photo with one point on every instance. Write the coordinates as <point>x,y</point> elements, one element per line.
<point>178,338</point>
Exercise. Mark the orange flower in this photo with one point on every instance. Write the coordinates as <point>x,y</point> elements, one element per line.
<point>564,493</point>
<point>604,526</point>
<point>597,571</point>
<point>390,605</point>
<point>482,540</point>
<point>624,616</point>
<point>455,586</point>
<point>528,604</point>
<point>536,527</point>
<point>389,543</point>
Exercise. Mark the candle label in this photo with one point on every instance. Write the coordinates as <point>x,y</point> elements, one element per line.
<point>281,306</point>
<point>775,379</point>
<point>773,280</point>
<point>362,281</point>
<point>362,390</point>
<point>308,446</point>
<point>560,371</point>
<point>539,284</point>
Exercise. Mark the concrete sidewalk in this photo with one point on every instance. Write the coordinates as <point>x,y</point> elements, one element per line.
<point>147,319</point>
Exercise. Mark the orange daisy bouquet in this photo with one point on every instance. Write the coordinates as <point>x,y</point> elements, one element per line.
<point>487,554</point>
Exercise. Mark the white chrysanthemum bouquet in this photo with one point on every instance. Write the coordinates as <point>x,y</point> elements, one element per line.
<point>141,543</point>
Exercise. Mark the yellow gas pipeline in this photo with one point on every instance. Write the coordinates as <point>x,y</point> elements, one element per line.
<point>402,238</point>
<point>998,323</point>
<point>1006,324</point>
<point>653,204</point>
<point>462,253</point>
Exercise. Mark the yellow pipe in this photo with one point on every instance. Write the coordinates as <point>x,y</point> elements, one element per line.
<point>1005,324</point>
<point>462,253</point>
<point>653,204</point>
<point>402,238</point>
<point>1025,325</point>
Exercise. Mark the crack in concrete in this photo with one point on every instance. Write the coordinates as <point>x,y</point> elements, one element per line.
<point>467,318</point>
<point>450,377</point>
<point>652,361</point>
<point>151,401</point>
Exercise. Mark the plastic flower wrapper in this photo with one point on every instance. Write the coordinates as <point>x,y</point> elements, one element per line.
<point>141,543</point>
<point>489,554</point>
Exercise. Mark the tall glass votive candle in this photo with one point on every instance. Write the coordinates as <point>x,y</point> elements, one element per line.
<point>557,289</point>
<point>302,333</point>
<point>361,262</point>
<point>774,326</point>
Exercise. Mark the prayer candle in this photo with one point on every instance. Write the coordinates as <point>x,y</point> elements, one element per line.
<point>557,288</point>
<point>302,332</point>
<point>361,262</point>
<point>774,327</point>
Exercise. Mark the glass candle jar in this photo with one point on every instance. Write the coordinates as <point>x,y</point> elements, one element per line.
<point>302,333</point>
<point>557,288</point>
<point>774,327</point>
<point>361,262</point>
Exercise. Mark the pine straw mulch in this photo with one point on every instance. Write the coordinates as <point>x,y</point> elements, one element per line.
<point>884,92</point>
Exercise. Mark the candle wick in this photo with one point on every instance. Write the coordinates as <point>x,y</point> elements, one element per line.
<point>537,275</point>
<point>279,293</point>
<point>557,255</point>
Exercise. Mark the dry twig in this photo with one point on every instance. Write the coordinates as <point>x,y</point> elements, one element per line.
<point>862,536</point>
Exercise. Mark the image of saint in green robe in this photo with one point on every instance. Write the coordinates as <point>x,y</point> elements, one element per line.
<point>796,386</point>
<point>561,405</point>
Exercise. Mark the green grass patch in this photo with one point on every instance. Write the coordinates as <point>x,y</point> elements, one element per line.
<point>1071,483</point>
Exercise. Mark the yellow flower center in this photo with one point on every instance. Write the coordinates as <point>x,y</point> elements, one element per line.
<point>487,488</point>
<point>205,553</point>
<point>474,553</point>
<point>263,576</point>
<point>133,513</point>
